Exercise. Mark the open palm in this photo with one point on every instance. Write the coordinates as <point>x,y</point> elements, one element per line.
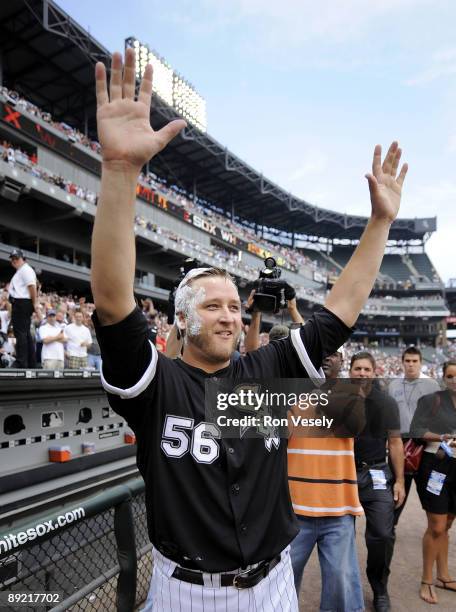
<point>385,188</point>
<point>124,129</point>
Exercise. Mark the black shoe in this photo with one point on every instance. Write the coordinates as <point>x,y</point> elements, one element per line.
<point>382,603</point>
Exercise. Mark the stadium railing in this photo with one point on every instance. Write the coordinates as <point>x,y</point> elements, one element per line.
<point>92,552</point>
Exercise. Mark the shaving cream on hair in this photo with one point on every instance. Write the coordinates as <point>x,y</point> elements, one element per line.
<point>187,299</point>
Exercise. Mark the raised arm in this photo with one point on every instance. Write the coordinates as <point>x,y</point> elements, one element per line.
<point>354,285</point>
<point>252,337</point>
<point>128,142</point>
<point>295,315</point>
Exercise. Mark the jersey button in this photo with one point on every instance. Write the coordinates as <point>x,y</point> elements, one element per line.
<point>243,528</point>
<point>235,488</point>
<point>231,450</point>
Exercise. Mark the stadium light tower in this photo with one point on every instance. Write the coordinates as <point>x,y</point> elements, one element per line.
<point>170,85</point>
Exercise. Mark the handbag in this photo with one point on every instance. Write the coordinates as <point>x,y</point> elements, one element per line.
<point>413,450</point>
<point>413,453</point>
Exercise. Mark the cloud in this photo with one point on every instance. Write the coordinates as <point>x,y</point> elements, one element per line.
<point>443,64</point>
<point>290,23</point>
<point>294,22</point>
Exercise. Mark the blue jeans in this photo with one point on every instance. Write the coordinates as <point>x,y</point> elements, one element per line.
<point>341,589</point>
<point>94,361</point>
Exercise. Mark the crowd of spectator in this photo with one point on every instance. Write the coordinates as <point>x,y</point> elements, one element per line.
<point>389,362</point>
<point>24,106</point>
<point>179,197</point>
<point>28,163</point>
<point>64,333</point>
<point>60,316</point>
<point>417,302</point>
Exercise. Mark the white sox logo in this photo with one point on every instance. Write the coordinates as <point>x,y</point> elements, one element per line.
<point>269,432</point>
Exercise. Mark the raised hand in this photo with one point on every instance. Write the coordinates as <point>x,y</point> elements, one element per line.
<point>385,189</point>
<point>124,129</point>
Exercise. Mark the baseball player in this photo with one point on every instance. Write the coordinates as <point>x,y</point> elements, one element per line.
<point>218,510</point>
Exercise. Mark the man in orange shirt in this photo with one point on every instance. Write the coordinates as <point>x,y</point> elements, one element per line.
<point>324,493</point>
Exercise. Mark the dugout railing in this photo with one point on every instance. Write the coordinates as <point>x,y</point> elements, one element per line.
<point>88,554</point>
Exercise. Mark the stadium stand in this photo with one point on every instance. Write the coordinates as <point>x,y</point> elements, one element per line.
<point>393,267</point>
<point>341,255</point>
<point>189,202</point>
<point>424,266</point>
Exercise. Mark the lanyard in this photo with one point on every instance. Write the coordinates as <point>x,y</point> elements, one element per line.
<point>410,395</point>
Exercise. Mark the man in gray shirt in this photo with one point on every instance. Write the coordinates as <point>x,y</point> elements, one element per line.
<point>407,391</point>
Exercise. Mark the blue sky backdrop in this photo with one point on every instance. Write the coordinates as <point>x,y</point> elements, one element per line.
<point>303,90</point>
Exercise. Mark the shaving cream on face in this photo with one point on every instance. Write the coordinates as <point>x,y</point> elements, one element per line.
<point>187,299</point>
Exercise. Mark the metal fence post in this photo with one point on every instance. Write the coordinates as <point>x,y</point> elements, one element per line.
<point>124,531</point>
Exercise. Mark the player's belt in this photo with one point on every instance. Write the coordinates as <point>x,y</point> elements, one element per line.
<point>243,580</point>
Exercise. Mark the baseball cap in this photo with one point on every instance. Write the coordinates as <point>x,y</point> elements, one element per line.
<point>16,253</point>
<point>13,424</point>
<point>85,415</point>
<point>51,313</point>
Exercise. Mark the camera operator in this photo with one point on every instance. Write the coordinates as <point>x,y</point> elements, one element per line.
<point>252,339</point>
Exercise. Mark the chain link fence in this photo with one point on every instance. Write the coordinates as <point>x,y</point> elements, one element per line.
<point>87,554</point>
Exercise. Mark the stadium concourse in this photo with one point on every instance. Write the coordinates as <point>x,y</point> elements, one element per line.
<point>64,453</point>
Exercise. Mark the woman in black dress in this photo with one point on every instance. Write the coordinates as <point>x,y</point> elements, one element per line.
<point>435,423</point>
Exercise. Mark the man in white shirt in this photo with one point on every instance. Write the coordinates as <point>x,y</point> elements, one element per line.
<point>407,391</point>
<point>78,339</point>
<point>53,338</point>
<point>22,295</point>
<point>5,316</point>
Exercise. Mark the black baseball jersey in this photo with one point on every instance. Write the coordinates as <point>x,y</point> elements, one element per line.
<point>212,503</point>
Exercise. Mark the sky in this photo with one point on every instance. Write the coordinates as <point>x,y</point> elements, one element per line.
<point>303,90</point>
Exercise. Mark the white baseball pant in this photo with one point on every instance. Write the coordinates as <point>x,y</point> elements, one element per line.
<point>275,593</point>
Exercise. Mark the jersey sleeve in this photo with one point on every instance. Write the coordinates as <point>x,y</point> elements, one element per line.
<point>322,335</point>
<point>302,353</point>
<point>129,359</point>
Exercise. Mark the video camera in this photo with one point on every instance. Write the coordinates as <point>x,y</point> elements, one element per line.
<point>271,293</point>
<point>188,265</point>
